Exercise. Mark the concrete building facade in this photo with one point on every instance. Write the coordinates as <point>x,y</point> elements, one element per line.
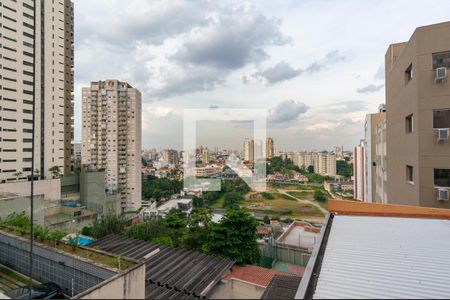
<point>418,118</point>
<point>370,160</point>
<point>249,150</point>
<point>359,154</point>
<point>37,58</point>
<point>381,164</point>
<point>270,148</point>
<point>112,137</point>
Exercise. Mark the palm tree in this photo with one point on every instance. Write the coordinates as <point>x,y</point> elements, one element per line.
<point>56,172</point>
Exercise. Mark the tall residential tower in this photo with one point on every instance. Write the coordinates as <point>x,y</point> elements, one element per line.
<point>50,70</point>
<point>112,137</point>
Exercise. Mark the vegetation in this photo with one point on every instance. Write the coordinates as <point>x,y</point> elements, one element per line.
<point>109,224</point>
<point>235,238</point>
<point>311,169</point>
<point>277,164</point>
<point>56,172</point>
<point>230,189</point>
<point>267,196</point>
<point>232,200</point>
<point>266,219</point>
<point>344,168</point>
<point>158,188</point>
<point>319,196</point>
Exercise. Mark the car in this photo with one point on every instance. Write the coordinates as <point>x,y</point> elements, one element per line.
<point>47,290</point>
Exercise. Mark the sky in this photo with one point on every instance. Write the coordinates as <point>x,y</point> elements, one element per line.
<point>316,66</point>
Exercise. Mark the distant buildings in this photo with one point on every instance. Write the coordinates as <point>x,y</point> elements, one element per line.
<point>112,137</point>
<point>170,156</point>
<point>52,79</point>
<point>270,148</point>
<point>418,118</point>
<point>205,156</point>
<point>324,163</point>
<point>249,150</point>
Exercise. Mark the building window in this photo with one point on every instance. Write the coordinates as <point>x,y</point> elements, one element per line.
<point>409,123</point>
<point>442,177</point>
<point>441,118</point>
<point>410,174</point>
<point>441,59</point>
<point>409,74</point>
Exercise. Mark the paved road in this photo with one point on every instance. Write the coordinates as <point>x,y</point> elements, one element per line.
<point>303,201</point>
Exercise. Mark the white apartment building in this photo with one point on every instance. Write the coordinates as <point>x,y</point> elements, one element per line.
<point>46,73</point>
<point>112,137</point>
<point>359,172</point>
<point>381,164</point>
<point>249,150</point>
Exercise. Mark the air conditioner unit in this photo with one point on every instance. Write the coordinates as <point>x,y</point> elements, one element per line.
<point>443,135</point>
<point>441,74</point>
<point>443,195</point>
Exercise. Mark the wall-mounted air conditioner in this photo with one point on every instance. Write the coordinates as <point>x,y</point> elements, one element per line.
<point>443,194</point>
<point>443,134</point>
<point>440,74</point>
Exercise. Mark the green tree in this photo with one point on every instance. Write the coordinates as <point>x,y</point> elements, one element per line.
<point>163,240</point>
<point>235,238</point>
<point>174,219</point>
<point>198,202</point>
<point>311,169</point>
<point>266,219</point>
<point>232,200</point>
<point>109,224</point>
<point>198,229</point>
<point>56,172</point>
<point>319,196</point>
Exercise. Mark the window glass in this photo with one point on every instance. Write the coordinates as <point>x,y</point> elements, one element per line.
<point>442,177</point>
<point>441,118</point>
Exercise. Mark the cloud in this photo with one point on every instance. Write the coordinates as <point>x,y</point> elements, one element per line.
<point>347,106</point>
<point>371,88</point>
<point>235,37</point>
<point>283,71</point>
<point>380,75</point>
<point>287,111</point>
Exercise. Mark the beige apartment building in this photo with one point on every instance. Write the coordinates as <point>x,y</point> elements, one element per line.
<point>324,163</point>
<point>418,118</point>
<point>112,137</point>
<point>270,148</point>
<point>249,150</point>
<point>51,70</point>
<point>370,151</point>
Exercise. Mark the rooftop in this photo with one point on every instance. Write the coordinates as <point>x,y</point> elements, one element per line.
<point>253,274</point>
<point>170,272</point>
<point>380,251</point>
<point>282,287</point>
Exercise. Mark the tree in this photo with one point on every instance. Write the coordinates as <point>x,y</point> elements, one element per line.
<point>109,224</point>
<point>310,169</point>
<point>174,219</point>
<point>266,219</point>
<point>319,196</point>
<point>235,238</point>
<point>232,200</point>
<point>198,229</point>
<point>56,171</point>
<point>17,175</point>
<point>198,202</point>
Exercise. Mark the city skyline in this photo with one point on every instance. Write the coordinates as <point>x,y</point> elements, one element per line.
<point>177,62</point>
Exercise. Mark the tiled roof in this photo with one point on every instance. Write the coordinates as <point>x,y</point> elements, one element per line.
<point>282,287</point>
<point>253,274</point>
<point>170,272</point>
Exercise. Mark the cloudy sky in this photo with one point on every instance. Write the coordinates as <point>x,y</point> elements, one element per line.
<point>315,65</point>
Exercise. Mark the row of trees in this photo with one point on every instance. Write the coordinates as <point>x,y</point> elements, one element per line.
<point>234,237</point>
<point>158,188</point>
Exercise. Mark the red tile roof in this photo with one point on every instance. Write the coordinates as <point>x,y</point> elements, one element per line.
<point>253,274</point>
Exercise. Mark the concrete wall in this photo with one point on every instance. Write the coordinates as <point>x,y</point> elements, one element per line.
<point>130,285</point>
<point>237,289</point>
<point>51,188</point>
<point>22,204</point>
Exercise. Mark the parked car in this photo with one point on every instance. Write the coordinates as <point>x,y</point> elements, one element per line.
<point>48,290</point>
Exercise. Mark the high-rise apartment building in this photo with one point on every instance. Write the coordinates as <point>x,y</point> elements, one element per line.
<point>170,156</point>
<point>50,70</point>
<point>270,148</point>
<point>249,150</point>
<point>112,137</point>
<point>370,159</point>
<point>324,163</point>
<point>418,118</point>
<point>205,156</point>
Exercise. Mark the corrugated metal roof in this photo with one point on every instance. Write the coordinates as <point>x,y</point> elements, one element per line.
<point>282,287</point>
<point>171,273</point>
<point>384,257</point>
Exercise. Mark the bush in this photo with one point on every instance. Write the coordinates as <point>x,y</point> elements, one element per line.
<point>87,230</point>
<point>110,224</point>
<point>319,196</point>
<point>267,196</point>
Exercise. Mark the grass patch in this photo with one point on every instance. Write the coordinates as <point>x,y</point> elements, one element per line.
<point>14,276</point>
<point>218,203</point>
<point>283,197</point>
<point>300,195</point>
<point>267,196</point>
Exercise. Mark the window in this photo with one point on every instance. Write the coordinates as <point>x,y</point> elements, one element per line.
<point>441,118</point>
<point>409,174</point>
<point>442,177</point>
<point>409,123</point>
<point>441,59</point>
<point>409,74</point>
